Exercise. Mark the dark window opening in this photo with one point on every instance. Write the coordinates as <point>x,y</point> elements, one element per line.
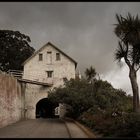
<point>49,52</point>
<point>49,74</point>
<point>40,57</point>
<point>57,56</point>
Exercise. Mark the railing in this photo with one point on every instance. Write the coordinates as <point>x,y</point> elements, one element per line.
<point>15,73</point>
<point>38,78</point>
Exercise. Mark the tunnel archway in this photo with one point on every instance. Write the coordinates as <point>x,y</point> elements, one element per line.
<point>45,108</point>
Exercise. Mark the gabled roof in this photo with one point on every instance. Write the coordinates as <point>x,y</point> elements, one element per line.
<point>46,45</point>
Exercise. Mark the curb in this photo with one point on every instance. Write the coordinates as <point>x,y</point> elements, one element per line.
<point>67,128</point>
<point>88,132</point>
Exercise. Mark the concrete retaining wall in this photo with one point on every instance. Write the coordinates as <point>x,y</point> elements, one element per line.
<point>18,100</point>
<point>10,100</point>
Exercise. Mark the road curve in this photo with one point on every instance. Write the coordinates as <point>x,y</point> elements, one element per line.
<point>42,128</point>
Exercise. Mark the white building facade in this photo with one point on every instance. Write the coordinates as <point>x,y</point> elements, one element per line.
<point>47,65</point>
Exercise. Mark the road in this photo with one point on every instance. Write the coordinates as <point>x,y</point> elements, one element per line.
<point>42,128</point>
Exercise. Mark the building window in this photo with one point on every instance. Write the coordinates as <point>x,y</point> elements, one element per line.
<point>40,57</point>
<point>49,52</point>
<point>57,56</point>
<point>49,74</point>
<point>49,57</point>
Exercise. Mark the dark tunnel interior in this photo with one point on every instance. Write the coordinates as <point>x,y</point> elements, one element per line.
<point>45,109</point>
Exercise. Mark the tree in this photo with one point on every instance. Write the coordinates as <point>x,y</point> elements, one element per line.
<point>14,49</point>
<point>90,74</point>
<point>128,31</point>
<point>83,96</point>
<point>76,94</point>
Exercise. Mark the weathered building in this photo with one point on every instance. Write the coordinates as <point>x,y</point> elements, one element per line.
<point>49,65</point>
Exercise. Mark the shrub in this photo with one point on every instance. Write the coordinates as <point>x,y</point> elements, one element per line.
<point>127,125</point>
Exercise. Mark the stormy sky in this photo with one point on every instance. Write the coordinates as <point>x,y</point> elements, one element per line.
<point>83,30</point>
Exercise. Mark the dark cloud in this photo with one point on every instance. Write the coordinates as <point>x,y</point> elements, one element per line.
<point>84,30</point>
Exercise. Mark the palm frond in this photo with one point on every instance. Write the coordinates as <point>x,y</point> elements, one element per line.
<point>120,52</point>
<point>128,29</point>
<point>90,73</point>
<point>118,17</point>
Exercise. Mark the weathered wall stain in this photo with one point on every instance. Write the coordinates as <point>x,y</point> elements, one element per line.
<point>10,100</point>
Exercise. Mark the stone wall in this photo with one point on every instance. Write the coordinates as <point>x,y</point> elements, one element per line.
<point>33,94</point>
<point>10,100</point>
<point>18,100</point>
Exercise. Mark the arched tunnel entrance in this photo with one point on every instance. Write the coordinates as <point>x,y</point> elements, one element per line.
<point>45,108</point>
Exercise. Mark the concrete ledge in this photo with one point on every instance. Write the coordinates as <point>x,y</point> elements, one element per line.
<point>66,127</point>
<point>88,132</point>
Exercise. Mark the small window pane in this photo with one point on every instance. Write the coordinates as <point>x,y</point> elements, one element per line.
<point>49,74</point>
<point>57,56</point>
<point>40,57</point>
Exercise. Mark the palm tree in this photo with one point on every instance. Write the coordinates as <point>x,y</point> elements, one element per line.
<point>90,74</point>
<point>128,32</point>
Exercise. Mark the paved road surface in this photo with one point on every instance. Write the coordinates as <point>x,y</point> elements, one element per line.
<point>42,128</point>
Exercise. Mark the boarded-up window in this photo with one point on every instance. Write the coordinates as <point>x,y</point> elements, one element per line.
<point>57,56</point>
<point>49,57</point>
<point>40,57</point>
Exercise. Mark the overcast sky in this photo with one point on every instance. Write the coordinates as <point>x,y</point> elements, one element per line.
<point>83,30</point>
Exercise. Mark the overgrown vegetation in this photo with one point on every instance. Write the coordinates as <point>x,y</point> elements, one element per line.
<point>99,106</point>
<point>125,125</point>
<point>96,103</point>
